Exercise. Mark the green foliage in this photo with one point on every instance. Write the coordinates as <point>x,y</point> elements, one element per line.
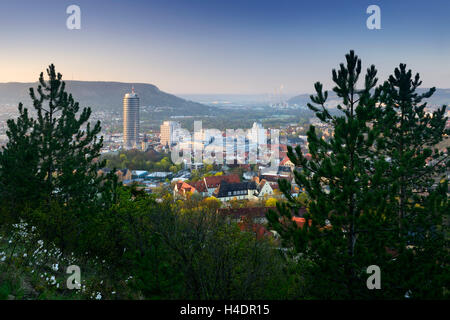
<point>216,259</point>
<point>138,160</point>
<point>54,152</point>
<point>271,202</point>
<point>375,194</point>
<point>57,211</point>
<point>418,188</point>
<point>353,180</point>
<point>7,289</point>
<point>19,158</point>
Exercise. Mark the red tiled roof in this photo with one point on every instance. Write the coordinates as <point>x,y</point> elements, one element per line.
<point>300,221</point>
<point>271,178</point>
<point>284,161</point>
<point>200,186</point>
<point>214,181</point>
<point>185,187</point>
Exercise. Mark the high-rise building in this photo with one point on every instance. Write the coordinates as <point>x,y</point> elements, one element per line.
<point>258,134</point>
<point>131,120</point>
<point>169,130</point>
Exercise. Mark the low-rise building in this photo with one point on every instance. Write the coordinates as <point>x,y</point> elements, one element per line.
<point>124,175</point>
<point>236,191</point>
<point>286,162</point>
<point>212,182</point>
<point>183,189</point>
<point>265,189</point>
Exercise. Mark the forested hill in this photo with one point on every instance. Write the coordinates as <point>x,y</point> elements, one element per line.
<point>108,96</point>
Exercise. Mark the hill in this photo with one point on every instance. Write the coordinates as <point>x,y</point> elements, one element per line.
<point>107,96</point>
<point>439,98</point>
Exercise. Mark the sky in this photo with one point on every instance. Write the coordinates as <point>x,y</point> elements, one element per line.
<point>222,47</point>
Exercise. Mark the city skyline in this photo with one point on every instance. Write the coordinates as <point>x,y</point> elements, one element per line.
<point>202,47</point>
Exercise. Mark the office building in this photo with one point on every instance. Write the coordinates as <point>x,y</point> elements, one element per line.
<point>169,131</point>
<point>131,120</point>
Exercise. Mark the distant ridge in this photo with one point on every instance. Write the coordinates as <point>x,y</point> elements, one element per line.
<point>106,95</point>
<point>439,98</point>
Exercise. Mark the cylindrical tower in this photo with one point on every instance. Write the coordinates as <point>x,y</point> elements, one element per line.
<point>131,120</point>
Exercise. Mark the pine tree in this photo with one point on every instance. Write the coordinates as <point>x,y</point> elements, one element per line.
<point>376,190</point>
<point>343,180</point>
<point>417,185</point>
<point>19,165</point>
<point>56,151</point>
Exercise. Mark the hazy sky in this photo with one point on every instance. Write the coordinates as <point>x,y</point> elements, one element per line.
<point>227,46</point>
